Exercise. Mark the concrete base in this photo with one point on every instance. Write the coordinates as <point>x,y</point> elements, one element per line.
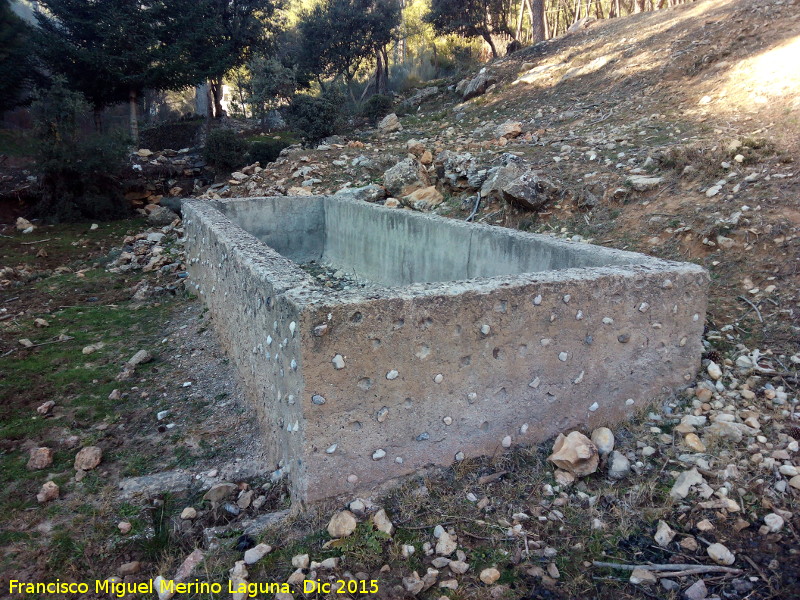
<point>482,336</point>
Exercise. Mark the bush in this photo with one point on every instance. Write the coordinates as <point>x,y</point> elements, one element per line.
<point>377,107</point>
<point>316,117</point>
<point>266,151</point>
<point>80,176</point>
<point>225,150</point>
<point>172,134</point>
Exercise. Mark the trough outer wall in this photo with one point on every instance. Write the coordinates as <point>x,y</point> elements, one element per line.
<point>521,356</point>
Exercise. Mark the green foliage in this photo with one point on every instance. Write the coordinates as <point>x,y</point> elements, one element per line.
<point>471,18</point>
<point>16,67</point>
<point>316,117</point>
<point>271,83</point>
<point>377,107</point>
<point>171,134</point>
<point>337,36</point>
<point>79,175</point>
<point>266,151</point>
<point>225,150</point>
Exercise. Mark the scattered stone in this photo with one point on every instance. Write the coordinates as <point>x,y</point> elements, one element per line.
<point>720,554</point>
<point>220,492</point>
<point>141,357</point>
<point>713,370</point>
<point>406,177</point>
<point>445,545</point>
<point>342,524</point>
<point>643,183</point>
<point>40,458</point>
<point>490,575</point>
<point>44,408</point>
<point>684,482</point>
<point>509,130</point>
<point>618,465</point>
<point>24,225</point>
<point>664,534</point>
<point>575,453</point>
<point>693,442</point>
<point>255,554</point>
<point>129,568</point>
<point>696,591</point>
<point>188,513</point>
<point>382,522</point>
<point>48,492</point>
<point>161,216</point>
<point>238,581</point>
<point>88,458</point>
<point>300,561</point>
<point>390,123</point>
<point>641,576</point>
<point>603,438</point>
<point>478,85</point>
<point>124,527</point>
<point>774,522</point>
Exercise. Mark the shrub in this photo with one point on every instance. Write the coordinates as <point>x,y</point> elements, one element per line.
<point>80,176</point>
<point>266,151</point>
<point>225,150</point>
<point>377,107</point>
<point>171,134</point>
<point>316,117</point>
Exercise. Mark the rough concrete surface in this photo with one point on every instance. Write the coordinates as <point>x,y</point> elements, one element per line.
<point>480,333</point>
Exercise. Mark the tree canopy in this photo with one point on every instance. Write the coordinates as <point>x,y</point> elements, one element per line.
<point>336,36</point>
<point>16,67</point>
<point>471,18</point>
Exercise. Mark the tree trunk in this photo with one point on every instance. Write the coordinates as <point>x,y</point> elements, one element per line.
<point>488,37</point>
<point>385,53</point>
<point>216,96</point>
<point>134,117</point>
<point>519,19</point>
<point>97,114</point>
<point>538,22</point>
<point>380,83</point>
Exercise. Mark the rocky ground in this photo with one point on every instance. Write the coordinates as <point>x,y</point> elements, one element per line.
<point>126,446</point>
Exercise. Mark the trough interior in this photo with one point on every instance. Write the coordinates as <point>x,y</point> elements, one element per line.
<point>397,247</point>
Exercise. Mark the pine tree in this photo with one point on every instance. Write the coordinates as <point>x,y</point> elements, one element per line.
<point>16,68</point>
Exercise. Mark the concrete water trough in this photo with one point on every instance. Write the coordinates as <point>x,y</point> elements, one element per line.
<point>463,340</point>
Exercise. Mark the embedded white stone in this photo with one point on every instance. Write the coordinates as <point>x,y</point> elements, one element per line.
<point>524,429</point>
<point>643,307</point>
<point>567,298</point>
<point>629,402</point>
<point>331,449</point>
<point>399,460</point>
<point>538,300</point>
<point>579,378</point>
<point>338,362</point>
<point>579,315</point>
<point>439,378</point>
<point>459,456</point>
<point>594,407</point>
<point>608,321</point>
<point>563,356</point>
<point>506,443</point>
<point>378,454</point>
<point>292,327</point>
<point>392,375</point>
<point>485,329</point>
<point>448,420</point>
<point>535,383</point>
